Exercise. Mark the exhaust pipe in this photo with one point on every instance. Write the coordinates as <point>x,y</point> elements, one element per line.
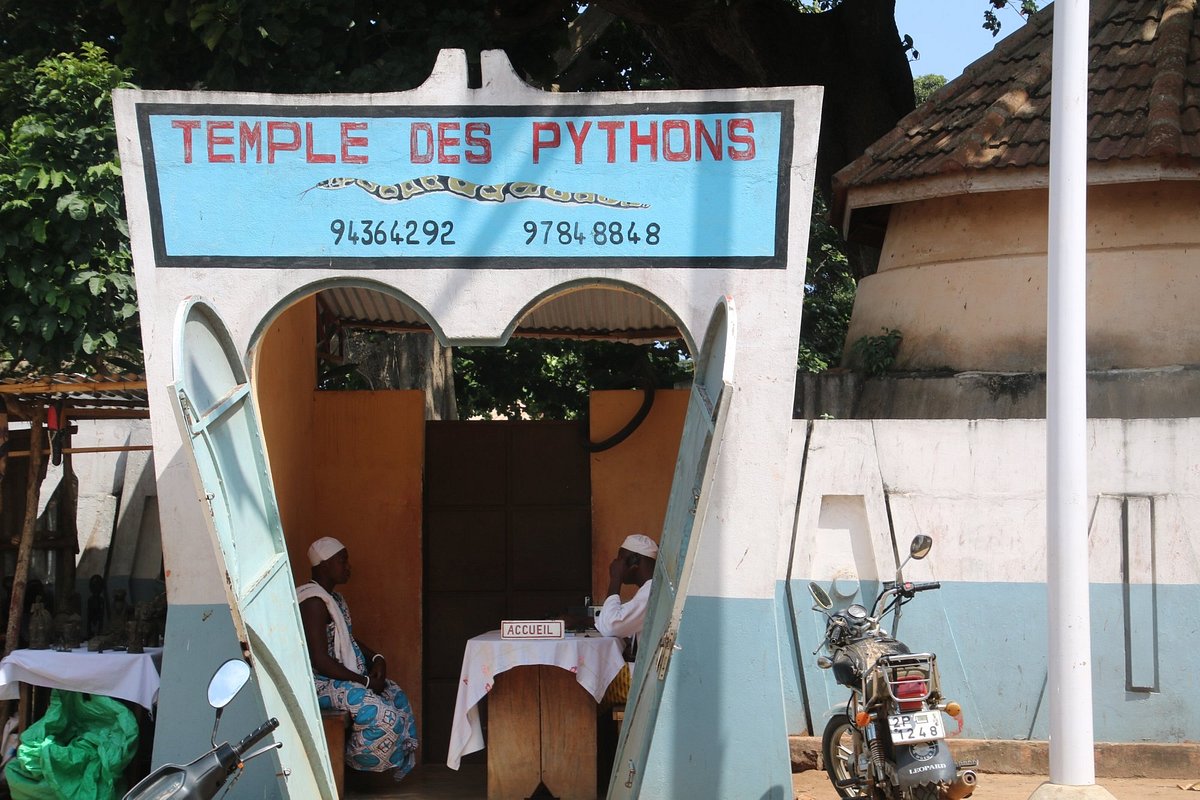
<point>962,786</point>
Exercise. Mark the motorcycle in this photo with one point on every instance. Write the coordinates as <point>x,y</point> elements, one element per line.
<point>204,777</point>
<point>889,744</point>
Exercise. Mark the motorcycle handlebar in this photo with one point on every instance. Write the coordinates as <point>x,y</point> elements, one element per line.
<point>913,588</point>
<point>255,735</point>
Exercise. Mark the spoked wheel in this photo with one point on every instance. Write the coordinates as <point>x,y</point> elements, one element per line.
<point>840,747</point>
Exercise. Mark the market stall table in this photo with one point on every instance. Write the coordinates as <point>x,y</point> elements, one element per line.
<point>132,677</point>
<point>541,711</point>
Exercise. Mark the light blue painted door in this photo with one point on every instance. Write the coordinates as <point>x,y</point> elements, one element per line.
<point>215,411</point>
<point>683,526</point>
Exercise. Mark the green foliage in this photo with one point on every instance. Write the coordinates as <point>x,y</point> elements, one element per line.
<point>816,6</point>
<point>926,86</point>
<point>876,354</point>
<point>66,282</point>
<point>551,378</point>
<point>991,22</point>
<point>286,46</point>
<point>828,295</point>
<point>340,377</point>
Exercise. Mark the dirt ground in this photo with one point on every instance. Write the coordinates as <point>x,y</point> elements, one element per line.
<point>814,785</point>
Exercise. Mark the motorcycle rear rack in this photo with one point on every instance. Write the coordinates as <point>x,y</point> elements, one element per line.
<point>903,671</point>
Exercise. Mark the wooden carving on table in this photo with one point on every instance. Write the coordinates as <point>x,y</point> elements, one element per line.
<point>41,626</point>
<point>116,632</point>
<point>138,629</point>
<point>97,608</point>
<point>68,624</point>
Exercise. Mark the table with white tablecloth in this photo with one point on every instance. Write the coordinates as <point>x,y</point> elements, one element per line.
<point>590,661</point>
<point>113,673</point>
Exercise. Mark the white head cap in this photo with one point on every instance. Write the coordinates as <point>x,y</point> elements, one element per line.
<point>324,549</point>
<point>641,544</point>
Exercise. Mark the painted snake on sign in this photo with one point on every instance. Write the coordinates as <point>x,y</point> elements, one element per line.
<point>484,192</point>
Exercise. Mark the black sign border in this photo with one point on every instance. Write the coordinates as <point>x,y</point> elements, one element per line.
<point>784,107</point>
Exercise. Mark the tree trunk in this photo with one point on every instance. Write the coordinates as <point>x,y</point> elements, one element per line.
<point>3,452</point>
<point>16,605</point>
<point>408,361</point>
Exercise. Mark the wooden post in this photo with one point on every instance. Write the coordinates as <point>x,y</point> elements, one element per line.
<point>16,606</point>
<point>68,528</point>
<point>3,450</point>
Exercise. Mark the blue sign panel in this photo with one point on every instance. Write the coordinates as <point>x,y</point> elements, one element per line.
<point>641,185</point>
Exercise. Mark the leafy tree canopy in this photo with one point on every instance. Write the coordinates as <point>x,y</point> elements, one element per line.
<point>925,86</point>
<point>66,281</point>
<point>551,378</point>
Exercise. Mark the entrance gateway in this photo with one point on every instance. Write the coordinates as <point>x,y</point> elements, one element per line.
<point>474,206</point>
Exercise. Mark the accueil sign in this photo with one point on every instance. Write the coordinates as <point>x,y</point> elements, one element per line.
<point>532,629</point>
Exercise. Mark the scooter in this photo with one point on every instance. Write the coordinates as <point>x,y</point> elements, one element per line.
<point>889,744</point>
<point>203,778</point>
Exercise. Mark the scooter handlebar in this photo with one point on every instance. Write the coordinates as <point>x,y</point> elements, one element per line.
<point>254,736</point>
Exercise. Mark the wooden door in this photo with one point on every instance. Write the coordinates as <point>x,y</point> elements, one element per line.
<point>683,527</point>
<point>507,536</point>
<point>218,423</point>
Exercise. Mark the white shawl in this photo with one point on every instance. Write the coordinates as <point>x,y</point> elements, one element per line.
<point>343,645</point>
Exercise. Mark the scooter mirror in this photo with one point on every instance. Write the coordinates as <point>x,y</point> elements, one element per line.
<point>819,595</point>
<point>920,547</point>
<point>227,681</point>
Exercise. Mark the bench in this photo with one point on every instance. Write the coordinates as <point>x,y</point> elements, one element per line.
<point>336,723</point>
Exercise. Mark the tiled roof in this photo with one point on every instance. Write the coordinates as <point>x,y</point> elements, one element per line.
<point>993,122</point>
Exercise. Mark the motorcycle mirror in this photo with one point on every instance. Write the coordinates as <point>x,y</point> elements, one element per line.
<point>224,685</point>
<point>824,662</point>
<point>227,681</point>
<point>920,547</point>
<point>819,595</point>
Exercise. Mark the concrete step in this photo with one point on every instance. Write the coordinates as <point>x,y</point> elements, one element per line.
<point>1113,760</point>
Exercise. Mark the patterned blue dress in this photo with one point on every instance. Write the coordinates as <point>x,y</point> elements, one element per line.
<point>383,734</point>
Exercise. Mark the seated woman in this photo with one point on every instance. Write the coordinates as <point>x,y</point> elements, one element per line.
<point>351,676</point>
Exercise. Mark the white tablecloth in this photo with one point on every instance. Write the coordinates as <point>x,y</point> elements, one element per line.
<point>114,674</point>
<point>595,660</point>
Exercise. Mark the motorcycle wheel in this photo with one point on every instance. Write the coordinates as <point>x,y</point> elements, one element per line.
<point>840,754</point>
<point>926,791</point>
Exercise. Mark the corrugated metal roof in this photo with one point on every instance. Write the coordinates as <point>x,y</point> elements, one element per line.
<point>1143,108</point>
<point>590,312</point>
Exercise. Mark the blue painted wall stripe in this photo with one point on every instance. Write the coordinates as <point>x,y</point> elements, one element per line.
<point>199,639</point>
<point>722,707</point>
<point>991,641</point>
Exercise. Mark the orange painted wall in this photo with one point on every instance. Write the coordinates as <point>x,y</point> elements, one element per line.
<point>285,373</point>
<point>368,457</point>
<point>348,464</point>
<point>632,481</point>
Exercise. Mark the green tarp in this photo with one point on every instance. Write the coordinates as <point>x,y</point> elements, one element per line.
<point>77,751</point>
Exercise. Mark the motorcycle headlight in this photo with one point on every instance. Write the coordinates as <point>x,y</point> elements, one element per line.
<point>162,787</point>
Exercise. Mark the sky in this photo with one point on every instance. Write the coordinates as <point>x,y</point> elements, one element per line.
<point>949,34</point>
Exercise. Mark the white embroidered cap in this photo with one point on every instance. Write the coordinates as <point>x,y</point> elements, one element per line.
<point>641,544</point>
<point>324,549</point>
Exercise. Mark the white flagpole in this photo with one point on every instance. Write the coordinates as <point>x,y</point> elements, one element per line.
<point>1070,662</point>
